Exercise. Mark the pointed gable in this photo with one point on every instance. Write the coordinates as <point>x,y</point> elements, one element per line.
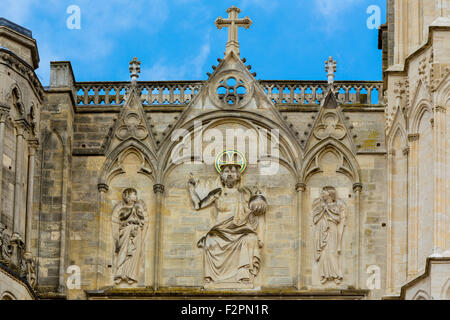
<point>131,123</point>
<point>330,123</point>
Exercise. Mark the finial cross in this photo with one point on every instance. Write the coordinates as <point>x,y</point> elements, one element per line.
<point>233,23</point>
<point>330,69</point>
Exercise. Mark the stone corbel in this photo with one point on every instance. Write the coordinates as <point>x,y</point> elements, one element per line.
<point>440,109</point>
<point>413,137</point>
<point>22,127</point>
<point>406,151</point>
<point>103,187</point>
<point>4,112</point>
<point>357,187</point>
<point>158,188</point>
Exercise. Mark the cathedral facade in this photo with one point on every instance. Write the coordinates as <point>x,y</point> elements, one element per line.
<point>230,187</point>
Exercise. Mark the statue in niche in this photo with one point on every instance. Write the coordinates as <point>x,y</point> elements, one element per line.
<point>328,216</point>
<point>129,228</point>
<point>232,246</point>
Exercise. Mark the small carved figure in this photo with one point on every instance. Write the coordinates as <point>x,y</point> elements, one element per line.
<point>129,228</point>
<point>29,268</point>
<point>232,246</point>
<point>5,245</point>
<point>328,216</point>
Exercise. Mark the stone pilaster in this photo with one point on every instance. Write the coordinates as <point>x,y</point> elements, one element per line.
<point>32,148</point>
<point>439,217</point>
<point>413,205</point>
<point>159,191</point>
<point>300,188</point>
<point>21,129</point>
<point>101,246</point>
<point>4,111</point>
<point>357,188</point>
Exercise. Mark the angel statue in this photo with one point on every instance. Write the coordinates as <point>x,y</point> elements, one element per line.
<point>129,227</point>
<point>328,216</point>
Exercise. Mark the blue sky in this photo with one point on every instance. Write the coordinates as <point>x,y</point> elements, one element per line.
<point>177,39</point>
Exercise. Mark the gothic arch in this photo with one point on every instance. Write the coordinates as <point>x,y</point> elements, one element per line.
<point>8,296</point>
<point>352,171</point>
<point>417,113</point>
<point>397,130</point>
<point>244,118</point>
<point>19,106</point>
<point>398,125</point>
<point>445,292</point>
<point>443,94</point>
<point>422,295</point>
<point>124,147</point>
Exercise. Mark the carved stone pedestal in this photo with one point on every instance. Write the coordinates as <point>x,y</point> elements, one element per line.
<point>230,286</point>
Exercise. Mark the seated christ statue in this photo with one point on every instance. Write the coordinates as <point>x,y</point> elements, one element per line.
<point>232,246</point>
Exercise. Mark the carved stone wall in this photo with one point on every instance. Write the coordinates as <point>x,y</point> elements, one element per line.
<point>387,164</point>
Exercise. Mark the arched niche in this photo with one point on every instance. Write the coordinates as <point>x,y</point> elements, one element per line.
<point>421,295</point>
<point>330,165</point>
<point>182,226</point>
<point>8,296</point>
<point>131,169</point>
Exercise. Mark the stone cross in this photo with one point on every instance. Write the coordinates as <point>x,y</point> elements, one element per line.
<point>330,69</point>
<point>233,23</point>
<point>135,69</point>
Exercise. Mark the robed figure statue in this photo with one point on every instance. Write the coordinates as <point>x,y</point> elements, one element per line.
<point>129,227</point>
<point>232,246</point>
<point>328,216</point>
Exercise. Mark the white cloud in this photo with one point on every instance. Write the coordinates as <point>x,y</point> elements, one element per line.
<point>332,8</point>
<point>331,11</point>
<point>267,5</point>
<point>46,55</point>
<point>192,67</point>
<point>18,11</point>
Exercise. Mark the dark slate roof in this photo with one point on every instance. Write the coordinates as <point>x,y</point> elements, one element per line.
<point>16,27</point>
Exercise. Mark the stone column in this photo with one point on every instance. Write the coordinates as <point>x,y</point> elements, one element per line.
<point>4,111</point>
<point>439,217</point>
<point>389,258</point>
<point>159,191</point>
<point>357,188</point>
<point>300,188</point>
<point>21,127</point>
<point>101,245</point>
<point>413,206</point>
<point>16,238</point>
<point>32,147</point>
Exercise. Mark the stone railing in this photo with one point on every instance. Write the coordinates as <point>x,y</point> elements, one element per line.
<point>312,92</point>
<point>160,93</point>
<point>152,93</point>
